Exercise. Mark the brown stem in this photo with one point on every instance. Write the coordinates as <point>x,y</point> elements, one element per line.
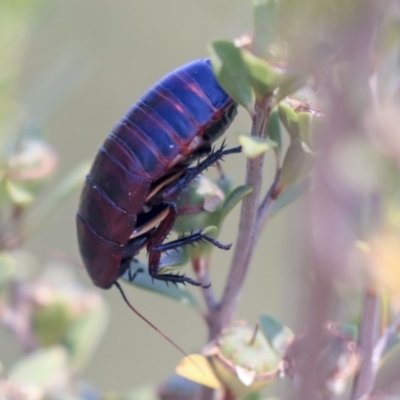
<point>17,318</point>
<point>201,268</point>
<point>253,338</point>
<point>389,333</point>
<point>266,205</point>
<point>319,303</point>
<point>369,332</point>
<point>221,316</point>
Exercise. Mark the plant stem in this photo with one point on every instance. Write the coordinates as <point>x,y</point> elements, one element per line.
<point>369,331</point>
<point>201,268</point>
<point>17,318</point>
<point>221,316</point>
<point>253,338</point>
<point>380,346</point>
<point>319,303</point>
<point>266,205</point>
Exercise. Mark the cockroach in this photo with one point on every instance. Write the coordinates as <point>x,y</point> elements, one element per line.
<point>129,197</point>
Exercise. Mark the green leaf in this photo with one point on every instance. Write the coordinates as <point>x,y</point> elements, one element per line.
<point>18,193</point>
<point>27,266</point>
<point>7,268</point>
<point>196,368</point>
<point>72,182</point>
<point>289,85</point>
<point>262,76</point>
<point>297,164</point>
<point>274,130</point>
<point>253,396</point>
<point>290,195</point>
<point>258,396</point>
<point>225,183</point>
<point>279,335</point>
<point>40,368</point>
<point>289,120</point>
<point>255,146</point>
<point>84,335</point>
<point>305,131</point>
<point>50,322</point>
<point>232,73</point>
<point>187,223</point>
<point>235,197</point>
<point>265,14</point>
<point>205,193</point>
<point>177,292</point>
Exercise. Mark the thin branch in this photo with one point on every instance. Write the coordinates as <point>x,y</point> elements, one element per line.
<point>315,314</point>
<point>247,235</point>
<point>388,334</point>
<point>266,205</point>
<point>201,268</point>
<point>369,331</point>
<point>18,317</point>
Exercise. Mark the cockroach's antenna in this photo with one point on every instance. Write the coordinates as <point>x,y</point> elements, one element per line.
<point>142,317</point>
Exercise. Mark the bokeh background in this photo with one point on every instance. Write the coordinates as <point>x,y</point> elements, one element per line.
<point>86,63</point>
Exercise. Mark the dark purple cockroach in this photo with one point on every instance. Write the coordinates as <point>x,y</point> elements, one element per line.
<point>128,200</point>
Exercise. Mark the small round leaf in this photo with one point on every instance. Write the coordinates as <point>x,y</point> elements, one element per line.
<point>41,368</point>
<point>265,14</point>
<point>279,335</point>
<point>232,73</point>
<point>262,76</point>
<point>19,194</point>
<point>289,195</point>
<point>7,267</point>
<point>305,128</point>
<point>85,334</point>
<point>297,164</point>
<point>254,146</point>
<point>196,368</point>
<point>234,198</point>
<point>290,84</point>
<point>289,120</point>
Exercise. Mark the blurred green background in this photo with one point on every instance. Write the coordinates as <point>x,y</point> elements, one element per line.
<point>86,63</point>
